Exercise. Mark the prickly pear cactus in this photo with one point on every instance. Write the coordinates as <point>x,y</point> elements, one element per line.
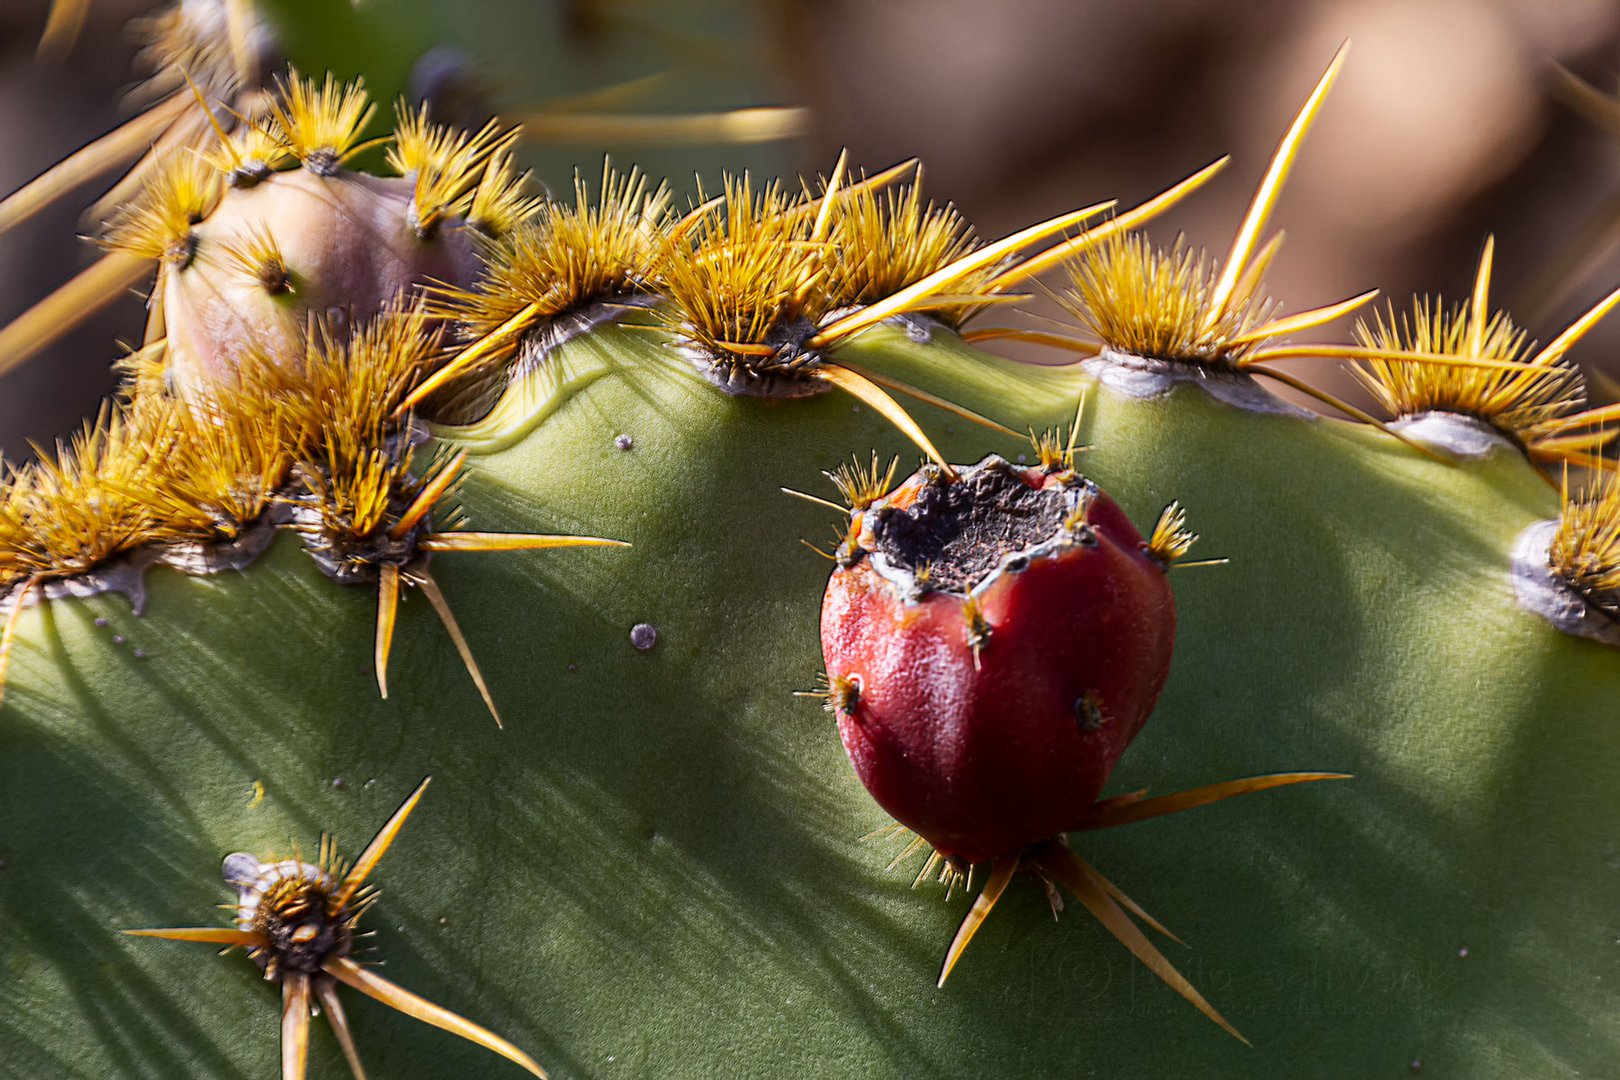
<point>242,618</point>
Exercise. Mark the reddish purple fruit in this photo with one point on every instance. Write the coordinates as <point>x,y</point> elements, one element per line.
<point>995,637</point>
<point>993,642</point>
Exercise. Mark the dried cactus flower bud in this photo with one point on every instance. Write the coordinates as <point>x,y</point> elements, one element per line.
<point>997,642</point>
<point>301,245</point>
<point>253,252</point>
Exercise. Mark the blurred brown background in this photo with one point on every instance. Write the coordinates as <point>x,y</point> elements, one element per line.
<point>1444,126</point>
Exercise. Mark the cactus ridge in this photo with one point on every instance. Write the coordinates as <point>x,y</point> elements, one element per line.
<point>753,282</point>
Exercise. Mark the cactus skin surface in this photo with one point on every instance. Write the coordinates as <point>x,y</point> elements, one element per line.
<point>991,709</point>
<point>656,866</point>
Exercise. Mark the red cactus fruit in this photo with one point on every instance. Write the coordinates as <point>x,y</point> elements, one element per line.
<point>1000,638</point>
<point>995,636</point>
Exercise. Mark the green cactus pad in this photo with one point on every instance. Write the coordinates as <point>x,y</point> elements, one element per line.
<point>656,868</point>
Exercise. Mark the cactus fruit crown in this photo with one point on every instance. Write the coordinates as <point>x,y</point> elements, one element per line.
<point>958,537</point>
<point>283,386</point>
